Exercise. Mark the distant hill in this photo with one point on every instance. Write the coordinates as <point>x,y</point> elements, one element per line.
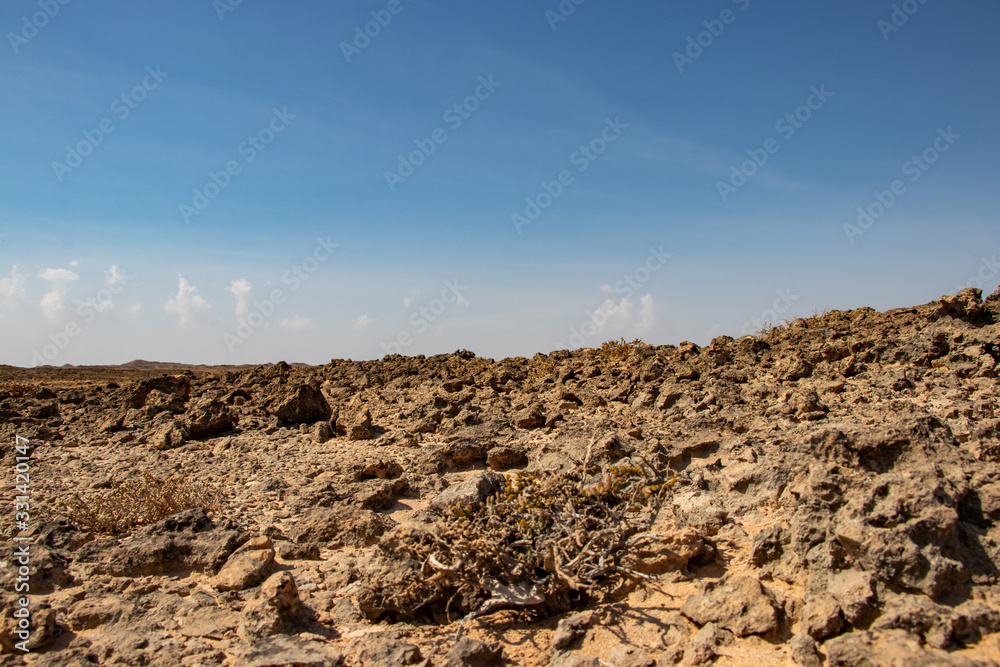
<point>142,364</point>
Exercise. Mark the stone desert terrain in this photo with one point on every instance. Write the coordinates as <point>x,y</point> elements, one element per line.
<point>825,493</point>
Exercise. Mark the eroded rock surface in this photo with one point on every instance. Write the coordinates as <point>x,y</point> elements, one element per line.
<point>837,501</point>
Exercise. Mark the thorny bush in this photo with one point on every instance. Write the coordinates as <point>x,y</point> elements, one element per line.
<point>138,502</point>
<point>547,540</point>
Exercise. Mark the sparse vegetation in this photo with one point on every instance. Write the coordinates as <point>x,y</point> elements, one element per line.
<point>769,326</point>
<point>547,540</point>
<point>616,349</point>
<point>138,502</point>
<point>811,322</point>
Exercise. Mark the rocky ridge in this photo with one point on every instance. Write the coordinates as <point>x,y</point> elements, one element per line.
<point>837,500</point>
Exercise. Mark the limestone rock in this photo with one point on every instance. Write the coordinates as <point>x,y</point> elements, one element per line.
<point>739,604</point>
<point>247,566</point>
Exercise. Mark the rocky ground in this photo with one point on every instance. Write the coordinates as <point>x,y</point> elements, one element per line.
<point>836,501</point>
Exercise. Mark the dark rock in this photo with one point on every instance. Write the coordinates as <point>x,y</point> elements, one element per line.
<point>298,403</point>
<point>341,526</point>
<point>207,417</point>
<point>473,653</point>
<point>503,458</point>
<point>529,418</point>
<point>572,628</point>
<point>805,651</point>
<point>189,540</point>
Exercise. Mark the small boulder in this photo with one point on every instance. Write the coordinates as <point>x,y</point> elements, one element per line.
<point>805,651</point>
<point>822,618</point>
<point>967,304</point>
<point>189,540</point>
<point>277,604</point>
<point>666,553</point>
<point>529,418</point>
<point>853,592</point>
<point>469,652</point>
<point>572,628</point>
<point>247,566</point>
<point>361,427</point>
<point>169,436</point>
<point>42,626</point>
<point>502,458</point>
<point>207,417</point>
<point>378,650</point>
<point>335,527</point>
<point>322,432</point>
<point>473,491</point>
<point>298,403</point>
<point>739,604</point>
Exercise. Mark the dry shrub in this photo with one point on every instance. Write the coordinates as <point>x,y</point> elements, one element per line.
<point>616,349</point>
<point>546,541</point>
<point>138,502</point>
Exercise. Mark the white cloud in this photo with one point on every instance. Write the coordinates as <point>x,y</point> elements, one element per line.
<point>75,263</point>
<point>361,322</point>
<point>53,303</point>
<point>407,301</point>
<point>241,290</point>
<point>12,291</point>
<point>188,305</point>
<point>114,276</point>
<point>104,306</point>
<point>135,308</point>
<point>298,323</point>
<point>625,316</point>
<point>607,289</point>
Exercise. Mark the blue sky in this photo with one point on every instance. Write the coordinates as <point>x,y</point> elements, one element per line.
<point>215,183</point>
